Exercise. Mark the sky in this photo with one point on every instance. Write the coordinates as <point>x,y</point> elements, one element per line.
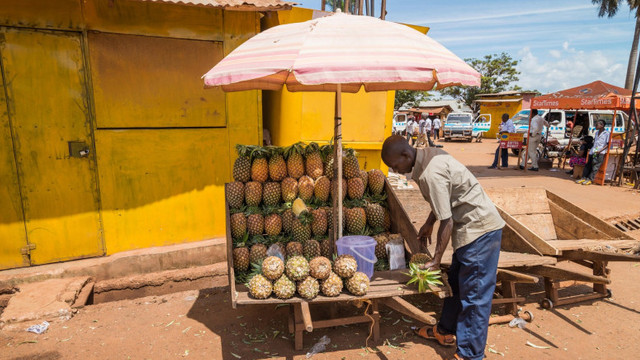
<point>559,44</point>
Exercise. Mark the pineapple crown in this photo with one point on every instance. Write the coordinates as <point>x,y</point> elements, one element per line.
<point>268,210</point>
<point>241,209</point>
<point>380,199</point>
<point>258,239</point>
<point>326,150</point>
<point>292,149</point>
<point>424,278</point>
<point>242,242</point>
<point>305,217</point>
<point>256,269</point>
<point>354,203</point>
<point>243,150</point>
<point>349,152</point>
<point>253,210</point>
<point>274,150</point>
<point>312,148</point>
<point>258,152</point>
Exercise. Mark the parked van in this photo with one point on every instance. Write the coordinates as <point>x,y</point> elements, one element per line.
<point>399,124</point>
<point>585,118</point>
<point>464,126</point>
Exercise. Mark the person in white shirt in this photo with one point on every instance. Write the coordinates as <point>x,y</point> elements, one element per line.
<point>427,127</point>
<point>436,128</point>
<point>596,154</point>
<point>535,135</point>
<point>421,124</point>
<point>506,126</point>
<point>411,124</point>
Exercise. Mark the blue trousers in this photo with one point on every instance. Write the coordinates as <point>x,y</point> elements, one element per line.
<point>504,154</point>
<point>472,277</point>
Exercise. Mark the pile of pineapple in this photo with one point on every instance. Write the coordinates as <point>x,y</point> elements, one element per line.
<point>268,180</point>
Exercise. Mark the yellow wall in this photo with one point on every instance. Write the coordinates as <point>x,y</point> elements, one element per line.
<point>496,109</point>
<point>161,147</point>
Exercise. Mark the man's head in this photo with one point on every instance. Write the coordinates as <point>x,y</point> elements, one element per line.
<point>398,154</point>
<point>534,112</point>
<point>505,117</point>
<point>600,124</point>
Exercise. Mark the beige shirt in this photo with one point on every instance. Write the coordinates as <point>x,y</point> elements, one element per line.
<point>453,192</point>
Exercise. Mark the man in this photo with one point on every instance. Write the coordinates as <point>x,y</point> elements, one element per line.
<point>597,152</point>
<point>535,135</point>
<point>506,126</point>
<point>427,127</point>
<point>421,124</point>
<point>436,128</point>
<point>468,216</point>
<point>410,127</point>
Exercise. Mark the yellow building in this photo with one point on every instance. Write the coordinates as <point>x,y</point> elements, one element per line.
<point>309,116</point>
<point>108,141</point>
<point>509,102</point>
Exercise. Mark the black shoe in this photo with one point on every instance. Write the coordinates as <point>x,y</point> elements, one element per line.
<point>492,167</point>
<point>521,167</point>
<point>533,169</point>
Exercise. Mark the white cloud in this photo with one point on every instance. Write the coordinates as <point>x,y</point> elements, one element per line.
<point>566,68</point>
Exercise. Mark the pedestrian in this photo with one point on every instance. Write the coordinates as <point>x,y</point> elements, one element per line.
<point>470,219</point>
<point>409,129</point>
<point>597,152</point>
<point>427,127</point>
<point>421,124</point>
<point>506,126</point>
<point>436,128</point>
<point>535,136</point>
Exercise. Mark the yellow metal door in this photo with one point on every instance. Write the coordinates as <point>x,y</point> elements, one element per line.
<point>54,151</point>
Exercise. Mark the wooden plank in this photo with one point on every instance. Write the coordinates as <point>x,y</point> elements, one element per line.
<point>306,316</point>
<point>230,270</point>
<point>511,259</point>
<point>520,201</point>
<point>573,227</point>
<point>594,221</point>
<point>320,324</point>
<point>513,242</point>
<point>533,239</point>
<point>590,244</point>
<point>598,256</point>
<point>578,298</point>
<point>517,277</point>
<point>556,273</point>
<point>541,224</point>
<point>404,307</point>
<point>401,223</point>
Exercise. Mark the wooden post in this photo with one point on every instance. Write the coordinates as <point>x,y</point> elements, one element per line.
<point>526,150</point>
<point>602,172</point>
<point>337,166</point>
<point>373,9</point>
<point>383,9</point>
<point>347,7</point>
<point>323,5</point>
<point>366,2</point>
<point>360,4</point>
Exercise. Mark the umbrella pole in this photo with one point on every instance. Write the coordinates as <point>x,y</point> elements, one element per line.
<point>337,166</point>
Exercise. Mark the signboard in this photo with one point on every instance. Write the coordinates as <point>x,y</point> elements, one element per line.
<point>511,140</point>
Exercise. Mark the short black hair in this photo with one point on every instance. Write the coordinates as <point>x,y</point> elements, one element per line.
<point>534,112</point>
<point>602,121</point>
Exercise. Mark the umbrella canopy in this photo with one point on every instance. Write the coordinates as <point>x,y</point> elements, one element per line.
<point>596,95</point>
<point>350,50</point>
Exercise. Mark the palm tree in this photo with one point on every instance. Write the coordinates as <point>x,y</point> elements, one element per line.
<point>610,8</point>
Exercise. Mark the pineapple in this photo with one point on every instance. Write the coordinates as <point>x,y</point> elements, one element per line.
<point>375,216</point>
<point>259,166</point>
<point>272,224</point>
<point>294,248</point>
<point>376,181</point>
<point>332,286</point>
<point>308,288</point>
<point>322,189</point>
<point>319,222</point>
<point>326,247</point>
<point>295,162</point>
<point>381,245</point>
<point>387,220</point>
<point>271,193</point>
<point>313,162</point>
<point>260,287</point>
<point>284,288</point>
<point>238,224</point>
<point>424,278</point>
<point>241,256</point>
<point>364,176</point>
<point>242,165</point>
<point>297,268</point>
<point>287,220</point>
<point>327,151</point>
<point>258,251</point>
<point>329,212</point>
<point>301,227</point>
<point>277,165</point>
<point>289,189</point>
<point>356,220</point>
<point>358,284</point>
<point>345,266</point>
<point>298,207</point>
<point>235,194</point>
<point>320,268</point>
<point>305,188</point>
<point>255,222</point>
<point>355,188</point>
<point>272,267</point>
<point>350,166</point>
<point>420,259</point>
<point>334,189</point>
<point>311,249</point>
<point>253,193</point>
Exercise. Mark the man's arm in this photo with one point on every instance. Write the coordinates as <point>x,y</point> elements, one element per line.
<point>427,229</point>
<point>444,235</point>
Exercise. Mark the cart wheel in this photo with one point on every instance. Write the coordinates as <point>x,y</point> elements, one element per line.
<point>530,315</point>
<point>546,304</point>
<point>609,293</point>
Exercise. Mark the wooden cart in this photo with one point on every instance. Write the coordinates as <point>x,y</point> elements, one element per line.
<point>386,288</point>
<point>542,223</point>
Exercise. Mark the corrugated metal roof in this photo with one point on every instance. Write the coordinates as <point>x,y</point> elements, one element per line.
<point>255,5</point>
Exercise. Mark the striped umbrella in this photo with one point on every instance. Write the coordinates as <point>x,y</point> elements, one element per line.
<point>340,53</point>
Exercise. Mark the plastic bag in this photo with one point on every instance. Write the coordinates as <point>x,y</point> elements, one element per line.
<point>276,250</point>
<point>319,347</point>
<point>395,250</point>
<point>518,322</point>
<point>40,328</point>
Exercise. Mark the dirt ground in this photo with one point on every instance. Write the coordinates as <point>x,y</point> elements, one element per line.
<point>202,324</point>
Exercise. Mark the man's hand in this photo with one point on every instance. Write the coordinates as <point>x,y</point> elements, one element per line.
<point>425,232</point>
<point>431,265</point>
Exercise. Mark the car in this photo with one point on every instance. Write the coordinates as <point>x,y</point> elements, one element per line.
<point>458,126</point>
<point>399,125</point>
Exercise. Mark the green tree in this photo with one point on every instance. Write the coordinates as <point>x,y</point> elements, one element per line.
<point>610,8</point>
<point>409,97</point>
<point>498,73</point>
